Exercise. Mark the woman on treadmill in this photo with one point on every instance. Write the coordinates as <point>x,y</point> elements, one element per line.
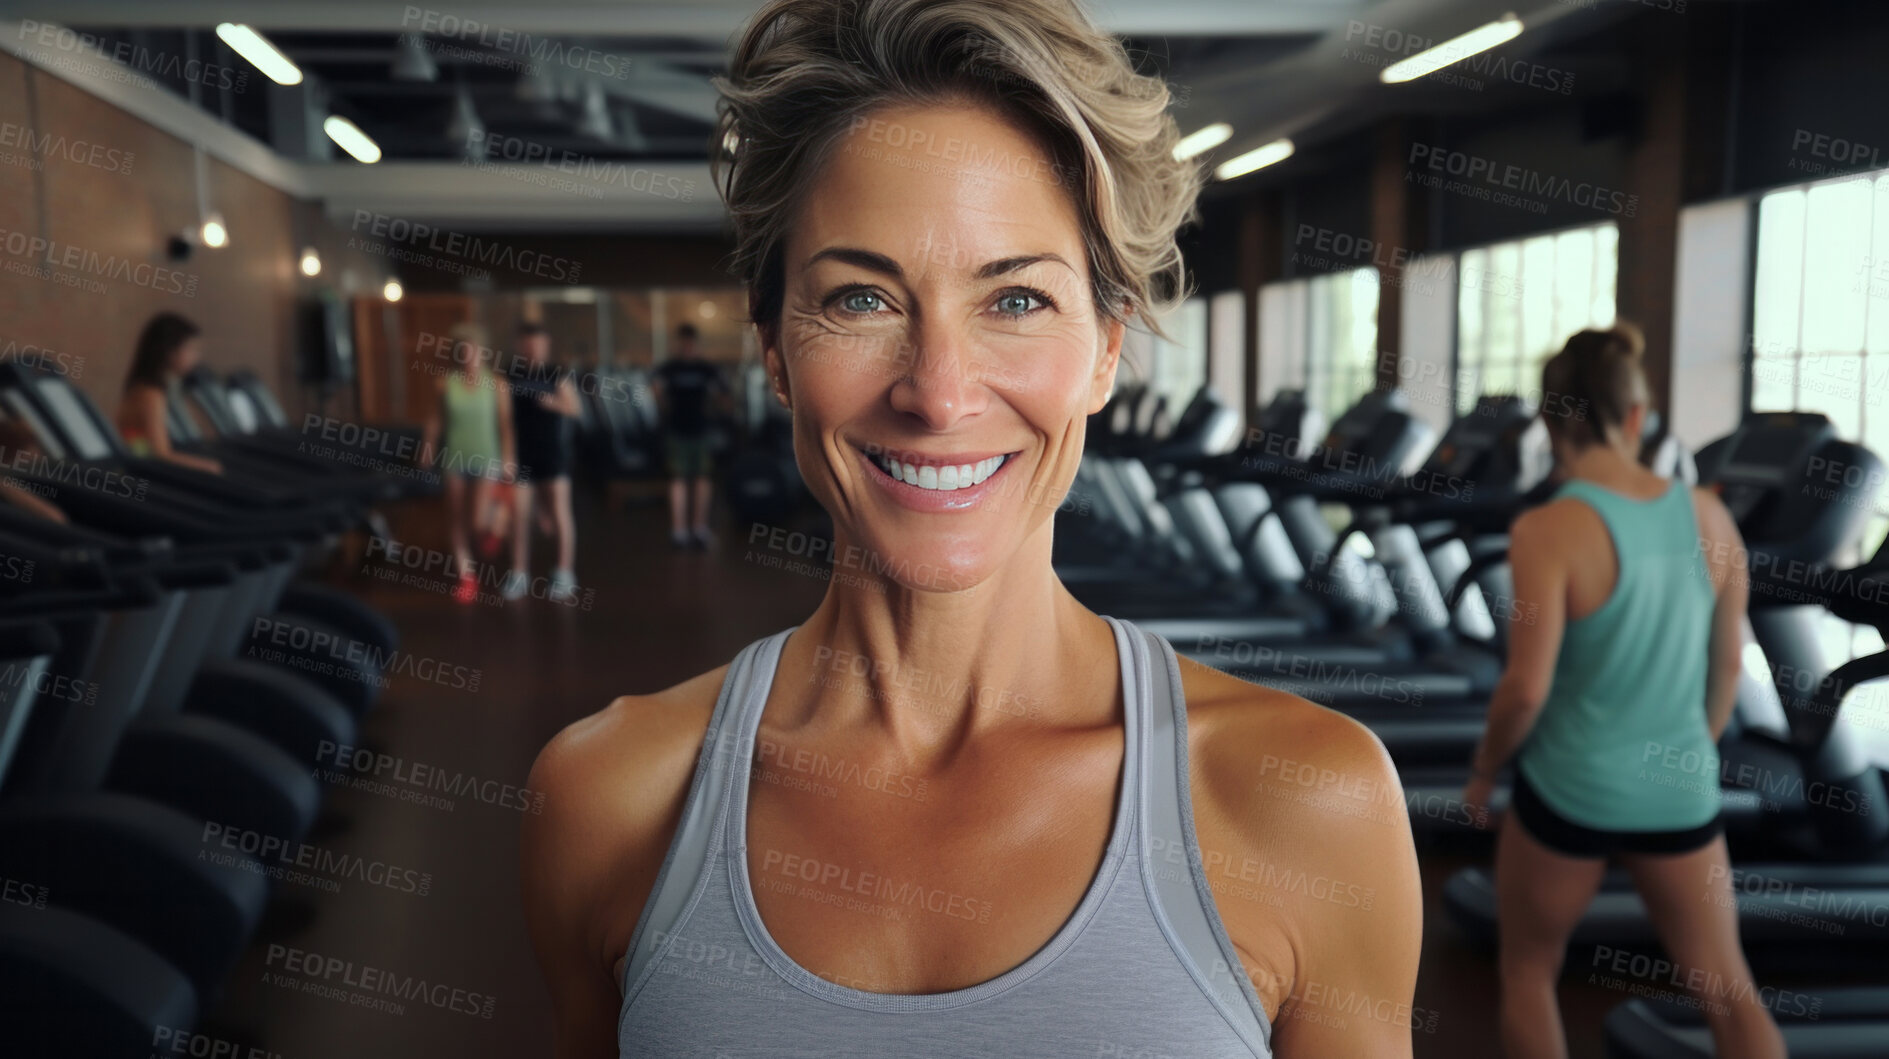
<point>168,347</point>
<point>953,813</point>
<point>1623,663</point>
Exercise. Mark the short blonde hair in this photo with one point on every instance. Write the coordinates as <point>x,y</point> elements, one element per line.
<point>806,72</point>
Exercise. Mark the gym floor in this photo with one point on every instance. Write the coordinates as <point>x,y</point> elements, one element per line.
<point>656,617</point>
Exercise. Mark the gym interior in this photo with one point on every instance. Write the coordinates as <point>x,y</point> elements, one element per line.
<point>382,396</point>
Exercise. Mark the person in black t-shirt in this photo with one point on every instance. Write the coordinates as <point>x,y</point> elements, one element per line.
<point>684,385</point>
<point>544,407</point>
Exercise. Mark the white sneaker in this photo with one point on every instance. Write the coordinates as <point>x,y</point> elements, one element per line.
<point>563,587</point>
<point>517,583</point>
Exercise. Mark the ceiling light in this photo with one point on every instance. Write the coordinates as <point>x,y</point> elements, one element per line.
<point>392,291</point>
<point>1202,140</point>
<point>215,236</point>
<point>261,54</point>
<point>1257,158</point>
<point>1477,40</point>
<point>311,262</point>
<point>351,139</point>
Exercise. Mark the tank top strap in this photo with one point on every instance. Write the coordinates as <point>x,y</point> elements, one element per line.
<point>727,745</point>
<point>1173,871</point>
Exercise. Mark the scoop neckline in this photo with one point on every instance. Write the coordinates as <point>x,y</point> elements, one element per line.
<point>1112,858</point>
<point>1671,487</point>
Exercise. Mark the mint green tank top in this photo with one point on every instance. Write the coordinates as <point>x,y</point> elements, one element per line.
<point>471,445</point>
<point>1622,742</point>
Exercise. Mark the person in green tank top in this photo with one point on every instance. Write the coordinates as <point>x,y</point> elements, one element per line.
<point>470,433</point>
<point>1624,650</point>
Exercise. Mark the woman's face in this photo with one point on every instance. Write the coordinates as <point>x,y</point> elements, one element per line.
<point>938,313</point>
<point>186,356</point>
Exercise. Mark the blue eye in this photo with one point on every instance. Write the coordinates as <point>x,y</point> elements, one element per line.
<point>1017,303</point>
<point>861,301</point>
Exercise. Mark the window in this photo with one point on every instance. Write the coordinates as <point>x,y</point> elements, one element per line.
<point>1517,303</point>
<point>1321,333</point>
<point>1820,343</point>
<point>1178,368</point>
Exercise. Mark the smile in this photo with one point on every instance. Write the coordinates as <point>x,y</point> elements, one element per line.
<point>941,477</point>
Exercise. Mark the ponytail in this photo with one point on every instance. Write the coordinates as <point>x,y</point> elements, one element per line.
<point>1588,387</point>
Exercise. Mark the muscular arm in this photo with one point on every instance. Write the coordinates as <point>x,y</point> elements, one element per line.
<point>613,785</point>
<point>1537,622</point>
<point>1308,849</point>
<point>1724,553</point>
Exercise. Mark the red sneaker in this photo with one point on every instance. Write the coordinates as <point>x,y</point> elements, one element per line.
<point>467,590</point>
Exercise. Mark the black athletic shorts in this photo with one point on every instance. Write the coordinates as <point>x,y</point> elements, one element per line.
<point>1570,839</point>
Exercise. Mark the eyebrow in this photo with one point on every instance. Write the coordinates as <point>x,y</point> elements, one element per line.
<point>874,261</point>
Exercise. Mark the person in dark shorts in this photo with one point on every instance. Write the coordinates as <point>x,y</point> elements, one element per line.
<point>544,404</point>
<point>1623,665</point>
<point>684,384</point>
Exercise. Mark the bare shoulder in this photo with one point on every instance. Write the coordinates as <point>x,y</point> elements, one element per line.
<point>1715,519</point>
<point>611,788</point>
<point>1306,844</point>
<point>1249,738</point>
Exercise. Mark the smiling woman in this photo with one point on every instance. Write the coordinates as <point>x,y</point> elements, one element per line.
<point>946,214</point>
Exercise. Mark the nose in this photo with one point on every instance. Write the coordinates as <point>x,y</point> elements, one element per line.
<point>941,384</point>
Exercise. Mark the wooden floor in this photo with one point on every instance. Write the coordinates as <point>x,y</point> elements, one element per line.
<point>656,616</point>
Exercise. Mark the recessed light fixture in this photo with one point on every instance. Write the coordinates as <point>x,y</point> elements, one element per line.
<point>311,262</point>
<point>261,54</point>
<point>393,291</point>
<point>351,139</point>
<point>1202,140</point>
<point>1454,50</point>
<point>1257,158</point>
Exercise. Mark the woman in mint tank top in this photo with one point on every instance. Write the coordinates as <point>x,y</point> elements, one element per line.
<point>1623,663</point>
<point>470,435</point>
<point>952,813</point>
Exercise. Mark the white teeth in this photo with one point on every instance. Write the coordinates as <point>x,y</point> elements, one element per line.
<point>931,476</point>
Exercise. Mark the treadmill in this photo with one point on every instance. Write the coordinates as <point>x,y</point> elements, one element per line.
<point>1813,776</point>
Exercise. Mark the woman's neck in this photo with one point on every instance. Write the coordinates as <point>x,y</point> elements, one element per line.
<point>936,668</point>
<point>1605,462</point>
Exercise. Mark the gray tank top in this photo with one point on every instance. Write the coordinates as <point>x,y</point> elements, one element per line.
<point>1143,968</point>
